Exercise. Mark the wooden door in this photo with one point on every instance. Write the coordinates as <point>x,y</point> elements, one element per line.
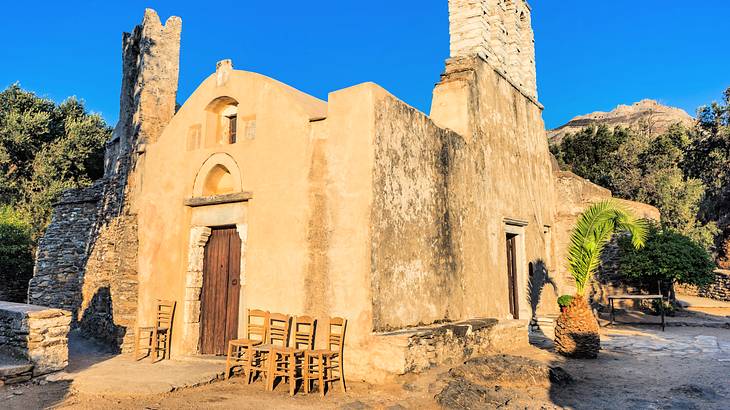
<point>221,290</point>
<point>514,308</point>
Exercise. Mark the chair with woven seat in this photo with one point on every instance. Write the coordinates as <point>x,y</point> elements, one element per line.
<point>278,335</point>
<point>257,328</point>
<point>156,338</point>
<point>287,362</point>
<point>325,365</point>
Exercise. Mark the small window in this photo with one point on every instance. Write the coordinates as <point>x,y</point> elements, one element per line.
<point>232,120</point>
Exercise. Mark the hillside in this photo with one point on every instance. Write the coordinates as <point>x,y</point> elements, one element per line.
<point>656,116</point>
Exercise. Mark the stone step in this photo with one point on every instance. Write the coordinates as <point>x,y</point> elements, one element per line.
<point>14,370</point>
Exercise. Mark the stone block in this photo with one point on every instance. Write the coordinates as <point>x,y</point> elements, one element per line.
<point>192,293</point>
<point>192,311</point>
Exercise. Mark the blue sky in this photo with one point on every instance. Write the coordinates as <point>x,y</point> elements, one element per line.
<point>591,55</point>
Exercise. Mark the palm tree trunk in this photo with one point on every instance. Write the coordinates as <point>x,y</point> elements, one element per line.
<point>577,332</point>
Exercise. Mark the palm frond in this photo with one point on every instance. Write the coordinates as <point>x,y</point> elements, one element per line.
<point>593,231</point>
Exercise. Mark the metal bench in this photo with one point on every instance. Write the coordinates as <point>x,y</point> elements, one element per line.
<point>659,297</point>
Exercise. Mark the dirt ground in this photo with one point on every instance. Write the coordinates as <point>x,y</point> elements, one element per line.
<point>639,368</point>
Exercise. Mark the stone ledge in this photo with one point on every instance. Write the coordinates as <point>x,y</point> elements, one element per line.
<point>218,199</point>
<point>418,349</point>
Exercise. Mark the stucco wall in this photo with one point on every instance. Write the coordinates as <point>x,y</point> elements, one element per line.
<point>412,262</point>
<point>500,174</point>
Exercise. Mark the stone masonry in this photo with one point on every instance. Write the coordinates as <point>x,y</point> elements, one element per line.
<point>499,32</point>
<point>63,249</point>
<point>719,289</point>
<point>453,343</point>
<point>87,260</point>
<point>36,335</point>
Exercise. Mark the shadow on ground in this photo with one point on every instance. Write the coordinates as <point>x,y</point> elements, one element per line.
<point>41,393</point>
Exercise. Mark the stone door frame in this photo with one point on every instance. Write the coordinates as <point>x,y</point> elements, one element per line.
<point>199,236</point>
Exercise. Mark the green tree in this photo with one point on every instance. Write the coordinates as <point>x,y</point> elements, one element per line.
<point>669,257</point>
<point>640,166</point>
<point>708,159</point>
<point>46,148</point>
<point>591,153</point>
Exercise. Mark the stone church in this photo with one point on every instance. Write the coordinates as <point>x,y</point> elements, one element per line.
<point>256,195</point>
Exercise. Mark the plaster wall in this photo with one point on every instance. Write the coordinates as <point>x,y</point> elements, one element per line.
<point>500,178</point>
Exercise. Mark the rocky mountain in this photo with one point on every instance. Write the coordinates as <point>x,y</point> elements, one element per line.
<point>646,113</point>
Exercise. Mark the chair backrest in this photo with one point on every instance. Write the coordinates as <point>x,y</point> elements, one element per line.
<point>304,327</point>
<point>336,339</point>
<point>279,329</point>
<point>163,315</point>
<point>257,324</point>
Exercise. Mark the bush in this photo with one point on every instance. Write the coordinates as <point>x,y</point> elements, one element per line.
<point>564,301</point>
<point>669,257</point>
<point>16,251</point>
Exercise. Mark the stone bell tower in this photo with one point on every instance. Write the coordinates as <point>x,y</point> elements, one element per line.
<point>498,31</point>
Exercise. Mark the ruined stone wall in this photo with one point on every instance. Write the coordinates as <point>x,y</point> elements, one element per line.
<point>719,289</point>
<point>108,309</point>
<point>412,266</point>
<point>87,259</point>
<point>64,248</point>
<point>35,334</point>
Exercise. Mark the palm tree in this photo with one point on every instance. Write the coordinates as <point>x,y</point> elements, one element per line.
<point>576,331</point>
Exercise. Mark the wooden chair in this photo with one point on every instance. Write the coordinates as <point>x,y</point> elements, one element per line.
<point>287,362</point>
<point>156,338</point>
<point>325,365</point>
<point>257,328</point>
<point>278,335</point>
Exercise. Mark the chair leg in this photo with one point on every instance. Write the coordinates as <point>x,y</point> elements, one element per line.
<point>136,345</point>
<point>305,373</point>
<point>292,366</point>
<point>342,374</point>
<point>228,361</point>
<point>321,366</point>
<point>153,346</point>
<point>168,340</point>
<point>271,370</point>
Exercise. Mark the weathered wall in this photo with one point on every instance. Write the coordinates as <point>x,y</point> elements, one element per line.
<point>412,262</point>
<point>87,258</point>
<point>36,334</point>
<point>719,289</point>
<point>109,294</point>
<point>64,248</point>
<point>500,175</point>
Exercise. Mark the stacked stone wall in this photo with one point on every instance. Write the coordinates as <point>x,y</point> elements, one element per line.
<point>64,248</point>
<point>719,289</point>
<point>35,334</point>
<point>109,295</point>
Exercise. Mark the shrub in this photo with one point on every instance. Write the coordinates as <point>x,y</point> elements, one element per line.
<point>564,301</point>
<point>16,249</point>
<point>669,257</point>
